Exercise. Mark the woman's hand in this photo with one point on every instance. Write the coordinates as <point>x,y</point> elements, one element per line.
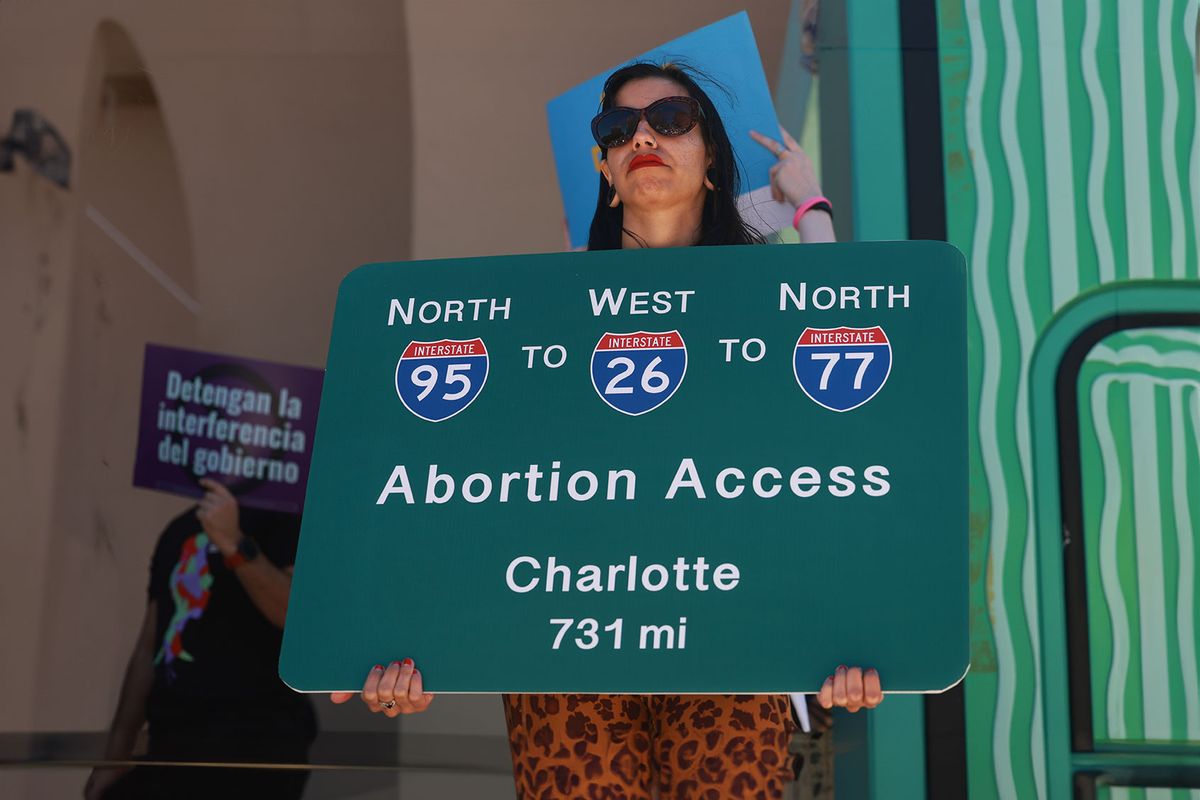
<point>851,688</point>
<point>394,691</point>
<point>218,514</point>
<point>793,179</point>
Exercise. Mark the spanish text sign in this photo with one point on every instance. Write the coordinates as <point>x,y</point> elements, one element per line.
<point>242,422</point>
<point>719,469</point>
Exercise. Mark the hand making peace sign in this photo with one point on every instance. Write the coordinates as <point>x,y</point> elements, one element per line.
<point>793,179</point>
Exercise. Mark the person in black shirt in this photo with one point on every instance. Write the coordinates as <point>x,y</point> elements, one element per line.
<point>204,670</point>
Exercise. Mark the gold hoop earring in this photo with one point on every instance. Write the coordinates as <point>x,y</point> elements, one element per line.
<point>614,199</point>
<point>708,184</point>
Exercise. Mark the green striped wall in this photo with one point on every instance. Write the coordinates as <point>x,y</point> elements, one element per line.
<point>1122,793</point>
<point>1139,412</point>
<point>1071,160</point>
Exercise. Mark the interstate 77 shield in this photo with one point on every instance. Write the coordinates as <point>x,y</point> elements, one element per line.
<point>865,356</point>
<point>709,469</point>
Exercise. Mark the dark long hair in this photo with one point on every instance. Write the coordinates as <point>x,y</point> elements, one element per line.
<point>720,222</point>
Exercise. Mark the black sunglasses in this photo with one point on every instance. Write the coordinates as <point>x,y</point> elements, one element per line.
<point>670,116</point>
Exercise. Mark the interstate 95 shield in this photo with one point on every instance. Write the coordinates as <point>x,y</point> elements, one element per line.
<point>436,380</point>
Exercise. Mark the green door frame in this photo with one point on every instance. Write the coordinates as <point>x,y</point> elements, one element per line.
<point>881,753</point>
<point>1104,306</point>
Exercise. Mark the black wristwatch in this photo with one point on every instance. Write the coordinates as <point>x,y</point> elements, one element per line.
<point>247,550</point>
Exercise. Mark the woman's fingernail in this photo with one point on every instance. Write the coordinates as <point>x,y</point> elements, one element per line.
<point>408,662</point>
<point>377,666</point>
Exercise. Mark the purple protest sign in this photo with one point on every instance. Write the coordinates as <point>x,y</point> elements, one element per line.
<point>248,424</point>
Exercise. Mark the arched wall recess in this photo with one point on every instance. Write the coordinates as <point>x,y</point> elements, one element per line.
<point>132,281</point>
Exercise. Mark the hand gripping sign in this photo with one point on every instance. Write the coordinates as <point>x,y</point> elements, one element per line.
<point>842,368</point>
<point>436,380</point>
<point>638,372</point>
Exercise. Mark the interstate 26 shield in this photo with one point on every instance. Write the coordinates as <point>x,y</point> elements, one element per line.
<point>842,368</point>
<point>637,372</point>
<point>436,380</point>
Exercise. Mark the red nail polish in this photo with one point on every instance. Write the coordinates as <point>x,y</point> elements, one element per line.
<point>377,666</point>
<point>408,662</point>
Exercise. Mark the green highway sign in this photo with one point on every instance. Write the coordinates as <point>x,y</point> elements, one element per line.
<point>707,469</point>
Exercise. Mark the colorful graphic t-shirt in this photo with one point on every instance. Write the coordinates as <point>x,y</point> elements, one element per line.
<point>216,659</point>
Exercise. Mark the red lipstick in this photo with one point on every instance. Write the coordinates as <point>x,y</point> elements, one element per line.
<point>645,160</point>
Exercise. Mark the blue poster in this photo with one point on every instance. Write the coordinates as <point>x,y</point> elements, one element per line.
<point>726,52</point>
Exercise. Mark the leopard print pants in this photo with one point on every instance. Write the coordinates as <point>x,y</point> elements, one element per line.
<point>636,747</point>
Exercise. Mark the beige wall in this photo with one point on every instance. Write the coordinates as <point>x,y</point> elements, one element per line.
<point>269,168</point>
<point>287,142</point>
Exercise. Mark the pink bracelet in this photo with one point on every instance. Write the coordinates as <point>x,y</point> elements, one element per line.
<point>808,205</point>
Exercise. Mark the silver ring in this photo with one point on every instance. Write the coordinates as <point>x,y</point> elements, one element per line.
<point>390,704</point>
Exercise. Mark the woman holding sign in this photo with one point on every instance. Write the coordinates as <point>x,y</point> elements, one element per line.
<point>669,179</point>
